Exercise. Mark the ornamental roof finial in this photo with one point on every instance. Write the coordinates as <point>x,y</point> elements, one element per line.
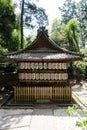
<point>42,29</point>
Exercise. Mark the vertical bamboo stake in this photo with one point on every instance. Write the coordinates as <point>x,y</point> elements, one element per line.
<point>15,94</point>
<point>61,92</point>
<point>28,93</point>
<point>57,92</point>
<point>35,92</point>
<point>18,94</point>
<point>42,92</point>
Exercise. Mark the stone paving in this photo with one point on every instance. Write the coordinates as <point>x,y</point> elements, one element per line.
<point>43,118</point>
<point>36,119</point>
<point>80,91</point>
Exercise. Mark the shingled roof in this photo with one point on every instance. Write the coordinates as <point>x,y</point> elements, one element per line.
<point>42,48</point>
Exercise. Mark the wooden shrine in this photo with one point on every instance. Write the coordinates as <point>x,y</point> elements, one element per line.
<point>42,71</point>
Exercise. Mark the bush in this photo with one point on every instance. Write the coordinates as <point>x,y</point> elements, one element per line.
<point>75,111</point>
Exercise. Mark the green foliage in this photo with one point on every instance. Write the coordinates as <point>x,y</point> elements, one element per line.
<point>57,32</point>
<point>78,10</point>
<point>75,111</point>
<point>56,25</point>
<point>11,67</point>
<point>66,35</point>
<point>82,65</point>
<point>7,26</point>
<point>2,49</point>
<point>15,39</point>
<point>72,33</point>
<point>7,17</point>
<point>8,67</point>
<point>29,39</point>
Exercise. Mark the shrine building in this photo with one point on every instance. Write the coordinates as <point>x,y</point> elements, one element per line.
<point>42,71</point>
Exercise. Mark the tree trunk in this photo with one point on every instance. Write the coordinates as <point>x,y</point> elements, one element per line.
<point>82,39</point>
<point>22,37</point>
<point>78,74</point>
<point>86,72</point>
<point>75,41</point>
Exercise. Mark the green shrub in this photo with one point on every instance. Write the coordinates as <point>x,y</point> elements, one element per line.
<point>75,111</point>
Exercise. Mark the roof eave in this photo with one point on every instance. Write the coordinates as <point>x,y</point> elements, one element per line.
<point>8,59</point>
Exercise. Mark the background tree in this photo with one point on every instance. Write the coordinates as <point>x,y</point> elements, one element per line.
<point>72,35</point>
<point>57,33</point>
<point>82,65</point>
<point>30,38</point>
<point>7,25</point>
<point>82,18</point>
<point>22,35</point>
<point>31,16</point>
<point>68,11</point>
<point>78,10</point>
<point>66,35</point>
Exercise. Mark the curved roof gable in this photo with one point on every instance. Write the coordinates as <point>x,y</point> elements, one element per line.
<point>43,43</point>
<point>42,48</point>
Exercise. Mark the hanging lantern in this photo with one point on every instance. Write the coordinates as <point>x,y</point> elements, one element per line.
<point>36,65</point>
<point>60,67</point>
<point>56,64</point>
<point>66,76</point>
<point>33,76</point>
<point>52,76</point>
<point>60,76</point>
<point>48,76</point>
<point>29,66</point>
<point>49,66</point>
<point>26,66</point>
<point>41,76</point>
<point>22,76</point>
<point>26,77</point>
<point>37,76</point>
<point>53,65</point>
<point>40,65</point>
<point>22,65</point>
<point>29,76</point>
<point>32,65</point>
<point>45,76</point>
<point>45,65</point>
<point>56,76</point>
<point>63,65</point>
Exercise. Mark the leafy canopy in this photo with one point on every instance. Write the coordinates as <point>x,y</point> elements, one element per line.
<point>7,26</point>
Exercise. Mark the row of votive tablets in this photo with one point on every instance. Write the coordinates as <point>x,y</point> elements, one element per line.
<point>32,65</point>
<point>43,76</point>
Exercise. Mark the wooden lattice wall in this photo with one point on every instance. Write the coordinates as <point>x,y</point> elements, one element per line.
<point>29,94</point>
